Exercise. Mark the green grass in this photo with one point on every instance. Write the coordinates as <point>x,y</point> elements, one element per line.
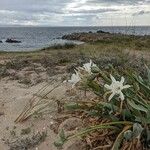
<point>130,42</point>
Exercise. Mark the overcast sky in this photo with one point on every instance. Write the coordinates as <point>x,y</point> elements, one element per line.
<point>74,12</point>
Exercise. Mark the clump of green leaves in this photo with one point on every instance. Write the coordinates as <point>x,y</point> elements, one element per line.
<point>127,110</point>
<point>62,139</point>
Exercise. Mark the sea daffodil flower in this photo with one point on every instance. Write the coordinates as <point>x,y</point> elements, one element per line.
<point>87,67</point>
<point>116,88</point>
<point>75,78</point>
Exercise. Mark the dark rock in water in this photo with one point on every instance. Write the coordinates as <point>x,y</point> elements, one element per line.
<point>100,31</point>
<point>12,41</point>
<point>1,41</point>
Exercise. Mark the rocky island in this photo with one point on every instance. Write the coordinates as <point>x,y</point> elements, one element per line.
<point>12,41</point>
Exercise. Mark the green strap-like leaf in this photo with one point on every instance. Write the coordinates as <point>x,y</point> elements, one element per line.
<point>62,135</point>
<point>148,73</point>
<point>101,126</point>
<point>141,83</point>
<point>120,137</point>
<point>136,106</point>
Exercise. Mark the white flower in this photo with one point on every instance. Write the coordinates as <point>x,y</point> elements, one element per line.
<point>116,87</point>
<point>75,78</point>
<point>87,67</point>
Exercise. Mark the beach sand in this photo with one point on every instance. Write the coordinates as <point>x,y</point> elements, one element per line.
<point>13,98</point>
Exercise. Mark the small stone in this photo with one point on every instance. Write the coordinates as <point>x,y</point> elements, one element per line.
<point>1,113</point>
<point>77,144</point>
<point>70,124</point>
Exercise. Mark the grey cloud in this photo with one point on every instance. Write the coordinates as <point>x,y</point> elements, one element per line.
<point>96,11</point>
<point>124,2</point>
<point>54,12</point>
<point>142,12</point>
<point>32,5</point>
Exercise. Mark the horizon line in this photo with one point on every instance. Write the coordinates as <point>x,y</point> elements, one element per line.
<point>76,26</point>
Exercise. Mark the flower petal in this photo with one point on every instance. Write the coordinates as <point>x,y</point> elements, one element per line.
<point>121,96</point>
<point>126,86</point>
<point>76,72</point>
<point>107,86</point>
<point>112,78</point>
<point>91,62</point>
<point>111,96</point>
<point>122,80</point>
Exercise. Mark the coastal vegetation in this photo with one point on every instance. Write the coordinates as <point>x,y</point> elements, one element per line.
<point>120,110</point>
<point>108,97</point>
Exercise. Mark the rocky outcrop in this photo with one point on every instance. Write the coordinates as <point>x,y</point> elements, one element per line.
<point>100,31</point>
<point>88,36</point>
<point>12,41</point>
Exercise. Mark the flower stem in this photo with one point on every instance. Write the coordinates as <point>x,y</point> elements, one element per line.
<point>121,106</point>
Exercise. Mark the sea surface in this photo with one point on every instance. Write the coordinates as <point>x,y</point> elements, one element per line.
<point>34,38</point>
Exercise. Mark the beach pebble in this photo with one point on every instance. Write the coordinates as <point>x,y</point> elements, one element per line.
<point>75,144</point>
<point>70,126</point>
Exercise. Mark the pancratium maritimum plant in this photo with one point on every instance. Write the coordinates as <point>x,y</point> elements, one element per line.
<point>128,124</point>
<point>116,88</point>
<point>75,78</point>
<point>88,66</point>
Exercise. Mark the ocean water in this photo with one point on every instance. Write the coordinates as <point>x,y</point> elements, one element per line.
<point>34,38</point>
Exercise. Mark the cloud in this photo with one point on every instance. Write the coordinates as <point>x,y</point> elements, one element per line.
<point>142,12</point>
<point>119,2</point>
<point>72,12</point>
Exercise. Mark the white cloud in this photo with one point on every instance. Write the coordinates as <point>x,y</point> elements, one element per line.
<point>74,12</point>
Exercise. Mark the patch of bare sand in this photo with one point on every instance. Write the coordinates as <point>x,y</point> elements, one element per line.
<point>13,98</point>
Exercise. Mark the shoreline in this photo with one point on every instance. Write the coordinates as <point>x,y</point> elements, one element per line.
<point>64,36</point>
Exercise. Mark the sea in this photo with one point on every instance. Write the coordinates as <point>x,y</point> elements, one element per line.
<point>36,38</point>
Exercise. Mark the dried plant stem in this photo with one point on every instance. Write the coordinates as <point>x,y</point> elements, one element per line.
<point>27,111</point>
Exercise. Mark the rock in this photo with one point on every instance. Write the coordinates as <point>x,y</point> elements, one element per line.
<point>1,113</point>
<point>100,31</point>
<point>11,72</point>
<point>12,41</point>
<point>75,144</point>
<point>70,126</point>
<point>88,37</point>
<point>28,77</point>
<point>35,78</point>
<point>23,74</point>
